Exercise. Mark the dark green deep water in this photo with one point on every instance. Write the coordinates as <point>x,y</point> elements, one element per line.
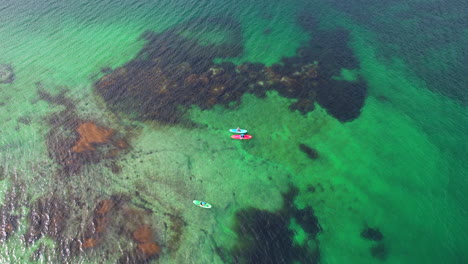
<point>358,112</point>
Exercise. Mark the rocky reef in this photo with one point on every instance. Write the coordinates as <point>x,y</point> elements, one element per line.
<point>9,220</point>
<point>378,250</point>
<point>106,227</point>
<point>89,135</point>
<point>74,142</point>
<point>175,71</point>
<point>147,248</point>
<point>310,152</point>
<point>370,233</point>
<point>48,217</point>
<point>170,74</point>
<point>265,237</point>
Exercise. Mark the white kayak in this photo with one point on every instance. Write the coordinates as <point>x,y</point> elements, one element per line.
<point>238,130</point>
<point>202,204</point>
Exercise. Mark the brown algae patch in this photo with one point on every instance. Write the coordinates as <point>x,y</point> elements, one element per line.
<point>74,142</point>
<point>114,228</point>
<point>90,135</point>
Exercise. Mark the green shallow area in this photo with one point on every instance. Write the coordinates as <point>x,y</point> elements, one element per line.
<point>399,167</point>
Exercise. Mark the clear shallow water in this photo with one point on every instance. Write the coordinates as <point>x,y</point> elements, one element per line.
<point>397,168</point>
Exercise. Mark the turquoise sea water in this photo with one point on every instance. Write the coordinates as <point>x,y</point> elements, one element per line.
<point>364,163</point>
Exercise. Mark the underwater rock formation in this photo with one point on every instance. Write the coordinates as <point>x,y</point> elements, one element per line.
<point>175,71</point>
<point>378,250</point>
<point>143,234</point>
<point>74,152</point>
<point>104,207</point>
<point>342,99</point>
<point>91,134</point>
<point>93,233</point>
<point>149,249</point>
<point>307,220</point>
<point>170,74</point>
<point>372,234</point>
<point>146,245</point>
<point>14,196</point>
<point>146,248</point>
<point>107,221</point>
<point>9,219</point>
<point>157,91</point>
<point>73,142</point>
<point>6,73</point>
<point>47,217</point>
<point>310,152</point>
<point>265,237</point>
<point>303,106</point>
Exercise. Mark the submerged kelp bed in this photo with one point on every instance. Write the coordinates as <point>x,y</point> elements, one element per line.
<point>173,72</point>
<point>267,237</point>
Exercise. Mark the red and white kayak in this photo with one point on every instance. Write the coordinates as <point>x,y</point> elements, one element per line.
<point>240,137</point>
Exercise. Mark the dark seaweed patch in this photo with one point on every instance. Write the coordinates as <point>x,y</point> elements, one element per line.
<point>378,250</point>
<point>307,220</point>
<point>53,217</point>
<point>310,152</point>
<point>264,237</point>
<point>65,138</point>
<point>372,234</point>
<point>175,71</point>
<point>13,199</point>
<point>342,99</point>
<point>170,72</point>
<point>48,217</point>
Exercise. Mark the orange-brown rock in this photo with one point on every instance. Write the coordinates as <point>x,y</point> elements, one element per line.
<point>143,234</point>
<point>104,207</point>
<point>91,134</point>
<point>149,249</point>
<point>89,243</point>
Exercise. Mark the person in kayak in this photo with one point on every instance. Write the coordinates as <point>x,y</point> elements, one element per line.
<point>242,135</point>
<point>202,203</point>
<point>238,129</point>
